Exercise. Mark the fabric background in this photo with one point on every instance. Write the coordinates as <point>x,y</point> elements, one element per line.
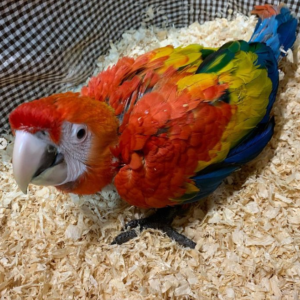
<point>46,46</point>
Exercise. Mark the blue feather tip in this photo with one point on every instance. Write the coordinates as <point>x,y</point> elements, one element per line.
<point>276,28</point>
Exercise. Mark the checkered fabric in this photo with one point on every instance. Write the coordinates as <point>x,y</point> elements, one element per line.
<point>48,46</point>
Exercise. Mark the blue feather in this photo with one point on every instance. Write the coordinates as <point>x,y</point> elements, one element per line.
<point>276,31</point>
<point>251,147</point>
<point>210,178</point>
<point>209,182</point>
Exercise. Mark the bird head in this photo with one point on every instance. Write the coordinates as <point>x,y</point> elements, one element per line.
<point>64,140</point>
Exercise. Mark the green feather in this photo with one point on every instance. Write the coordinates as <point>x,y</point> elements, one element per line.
<point>215,61</point>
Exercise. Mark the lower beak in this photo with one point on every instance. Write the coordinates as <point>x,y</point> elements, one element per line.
<point>36,161</point>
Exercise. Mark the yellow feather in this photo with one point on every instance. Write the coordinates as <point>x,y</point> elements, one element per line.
<point>216,154</point>
<point>161,52</point>
<point>193,48</point>
<point>202,80</point>
<point>190,192</point>
<point>189,57</point>
<point>249,89</point>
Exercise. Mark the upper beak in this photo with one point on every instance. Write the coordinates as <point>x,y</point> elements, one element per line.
<point>35,160</point>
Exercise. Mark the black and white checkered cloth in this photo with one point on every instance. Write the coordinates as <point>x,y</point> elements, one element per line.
<point>47,46</point>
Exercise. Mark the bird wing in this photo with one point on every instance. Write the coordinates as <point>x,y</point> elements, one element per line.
<point>190,121</point>
<point>123,84</point>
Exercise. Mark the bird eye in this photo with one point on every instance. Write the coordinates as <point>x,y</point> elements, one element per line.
<point>81,133</point>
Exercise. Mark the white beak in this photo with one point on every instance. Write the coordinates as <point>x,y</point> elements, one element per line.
<point>36,161</point>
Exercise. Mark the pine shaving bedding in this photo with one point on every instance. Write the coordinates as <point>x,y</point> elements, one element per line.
<point>57,246</point>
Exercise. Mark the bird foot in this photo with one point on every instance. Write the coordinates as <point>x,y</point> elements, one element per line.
<point>160,220</point>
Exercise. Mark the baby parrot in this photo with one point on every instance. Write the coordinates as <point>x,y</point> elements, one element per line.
<point>165,128</point>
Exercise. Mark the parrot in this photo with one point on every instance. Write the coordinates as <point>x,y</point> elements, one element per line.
<point>165,128</point>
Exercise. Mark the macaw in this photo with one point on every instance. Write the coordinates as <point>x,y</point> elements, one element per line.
<point>165,128</point>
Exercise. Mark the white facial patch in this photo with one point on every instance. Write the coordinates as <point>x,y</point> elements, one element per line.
<point>75,146</point>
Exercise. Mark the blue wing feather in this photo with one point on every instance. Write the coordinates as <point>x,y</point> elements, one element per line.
<point>250,148</point>
<point>210,178</point>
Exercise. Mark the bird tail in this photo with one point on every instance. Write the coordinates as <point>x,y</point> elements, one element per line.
<point>276,27</point>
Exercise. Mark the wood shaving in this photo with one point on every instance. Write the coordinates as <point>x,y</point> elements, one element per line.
<point>57,246</point>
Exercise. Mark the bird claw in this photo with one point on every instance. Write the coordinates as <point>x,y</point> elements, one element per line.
<point>153,222</point>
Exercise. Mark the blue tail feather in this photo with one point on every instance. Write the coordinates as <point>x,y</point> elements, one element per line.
<point>277,31</point>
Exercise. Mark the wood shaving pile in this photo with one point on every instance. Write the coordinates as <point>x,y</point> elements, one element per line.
<point>57,246</point>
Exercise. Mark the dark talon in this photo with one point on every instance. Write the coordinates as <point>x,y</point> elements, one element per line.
<point>160,220</point>
<point>135,223</point>
<point>124,237</point>
<point>180,238</point>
